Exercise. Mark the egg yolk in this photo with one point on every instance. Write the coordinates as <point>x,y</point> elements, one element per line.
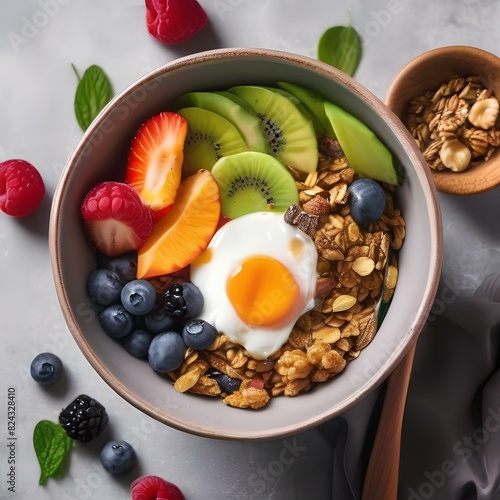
<point>262,291</point>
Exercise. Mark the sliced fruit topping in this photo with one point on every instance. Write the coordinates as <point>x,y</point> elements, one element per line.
<point>154,487</point>
<point>318,129</point>
<point>248,124</point>
<point>115,218</point>
<point>254,182</point>
<point>21,188</point>
<point>312,101</point>
<point>235,98</point>
<point>184,233</point>
<point>291,136</point>
<point>174,21</point>
<point>155,159</point>
<point>364,151</point>
<point>210,137</point>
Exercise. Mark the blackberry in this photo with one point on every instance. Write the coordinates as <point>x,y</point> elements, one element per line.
<point>183,301</point>
<point>175,305</point>
<point>84,418</point>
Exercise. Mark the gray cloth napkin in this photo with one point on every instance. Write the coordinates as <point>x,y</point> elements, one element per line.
<point>451,430</point>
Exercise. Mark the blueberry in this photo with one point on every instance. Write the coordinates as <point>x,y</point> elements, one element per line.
<point>166,352</point>
<point>103,288</point>
<point>46,368</point>
<point>117,457</point>
<point>157,321</point>
<point>138,296</point>
<point>184,301</point>
<point>137,343</point>
<point>366,201</point>
<point>125,266</point>
<point>226,383</point>
<point>194,300</point>
<point>116,321</point>
<point>198,334</point>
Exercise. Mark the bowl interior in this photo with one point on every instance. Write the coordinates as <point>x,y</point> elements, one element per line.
<point>427,72</point>
<point>101,155</point>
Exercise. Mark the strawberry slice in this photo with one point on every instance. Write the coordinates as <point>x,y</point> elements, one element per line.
<point>155,159</point>
<point>174,21</point>
<point>115,218</point>
<point>154,488</point>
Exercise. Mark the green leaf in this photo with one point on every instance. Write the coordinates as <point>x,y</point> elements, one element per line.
<point>340,47</point>
<point>92,94</point>
<point>51,444</point>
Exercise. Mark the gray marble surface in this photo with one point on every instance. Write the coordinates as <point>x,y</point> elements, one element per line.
<point>39,39</point>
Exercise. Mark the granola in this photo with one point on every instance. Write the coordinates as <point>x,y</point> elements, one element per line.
<point>457,125</point>
<point>351,271</point>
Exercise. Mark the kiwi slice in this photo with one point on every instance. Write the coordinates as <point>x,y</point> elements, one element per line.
<point>247,124</point>
<point>210,137</point>
<point>254,182</point>
<point>313,102</point>
<point>236,99</point>
<point>318,127</point>
<point>291,136</point>
<point>364,151</point>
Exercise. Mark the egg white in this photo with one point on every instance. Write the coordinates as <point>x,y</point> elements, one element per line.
<point>260,233</point>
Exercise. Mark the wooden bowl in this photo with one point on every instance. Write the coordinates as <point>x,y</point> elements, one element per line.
<point>427,72</point>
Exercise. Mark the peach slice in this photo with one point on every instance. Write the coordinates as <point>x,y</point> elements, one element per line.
<point>185,231</point>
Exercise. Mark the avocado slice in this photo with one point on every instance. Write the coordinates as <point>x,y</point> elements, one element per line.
<point>367,155</point>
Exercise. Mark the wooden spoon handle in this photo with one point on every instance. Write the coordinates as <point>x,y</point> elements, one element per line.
<point>381,480</point>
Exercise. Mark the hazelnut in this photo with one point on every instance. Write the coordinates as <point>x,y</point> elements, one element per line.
<point>317,206</point>
<point>484,113</point>
<point>455,155</point>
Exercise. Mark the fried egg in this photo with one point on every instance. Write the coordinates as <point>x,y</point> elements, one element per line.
<point>257,276</point>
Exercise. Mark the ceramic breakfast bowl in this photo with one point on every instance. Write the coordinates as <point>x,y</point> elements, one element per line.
<point>102,155</point>
<point>427,72</point>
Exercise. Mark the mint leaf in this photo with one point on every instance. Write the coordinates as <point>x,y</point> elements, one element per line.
<point>340,47</point>
<point>92,94</point>
<point>51,444</point>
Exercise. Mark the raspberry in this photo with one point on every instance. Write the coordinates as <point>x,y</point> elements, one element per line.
<point>21,188</point>
<point>115,218</point>
<point>84,418</point>
<point>153,487</point>
<point>174,21</point>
